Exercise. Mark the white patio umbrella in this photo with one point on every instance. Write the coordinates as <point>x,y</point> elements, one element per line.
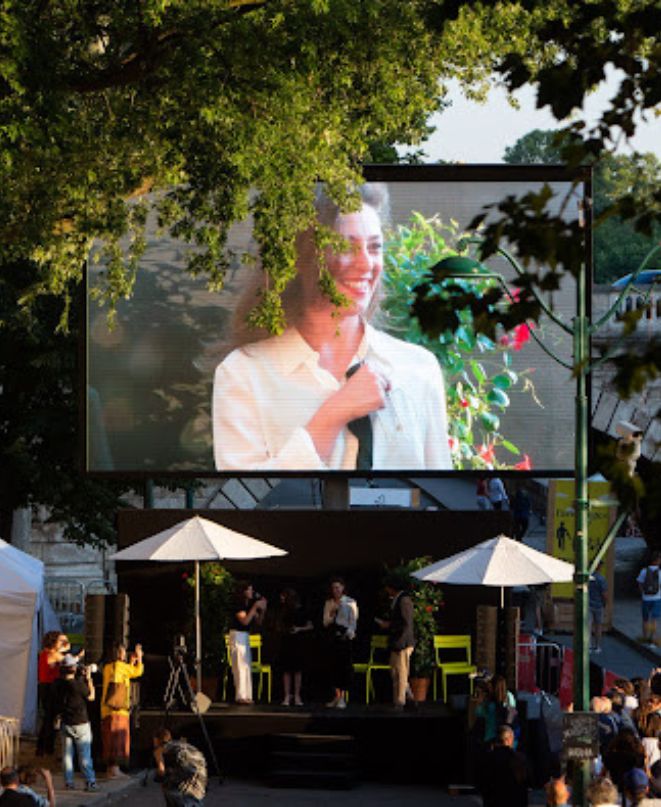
<point>198,539</point>
<point>501,562</point>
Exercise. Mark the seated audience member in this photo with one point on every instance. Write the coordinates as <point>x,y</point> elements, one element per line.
<point>636,788</point>
<point>28,776</point>
<point>557,793</point>
<point>503,778</point>
<point>602,793</point>
<point>11,797</point>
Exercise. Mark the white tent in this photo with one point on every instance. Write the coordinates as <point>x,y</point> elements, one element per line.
<point>24,615</point>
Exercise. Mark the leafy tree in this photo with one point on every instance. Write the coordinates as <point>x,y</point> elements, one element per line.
<point>618,247</point>
<point>540,146</point>
<point>40,439</point>
<point>227,107</point>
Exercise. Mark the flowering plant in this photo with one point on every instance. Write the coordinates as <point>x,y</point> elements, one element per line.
<point>427,601</point>
<point>478,370</point>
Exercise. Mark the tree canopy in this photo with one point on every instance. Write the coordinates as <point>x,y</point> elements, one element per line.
<point>224,108</point>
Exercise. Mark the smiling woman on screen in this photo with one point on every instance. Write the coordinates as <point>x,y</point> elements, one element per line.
<point>332,392</point>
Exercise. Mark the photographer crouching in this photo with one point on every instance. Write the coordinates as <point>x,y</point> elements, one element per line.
<point>116,706</point>
<point>71,693</point>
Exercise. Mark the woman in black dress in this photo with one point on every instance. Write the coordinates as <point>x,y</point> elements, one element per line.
<point>293,627</point>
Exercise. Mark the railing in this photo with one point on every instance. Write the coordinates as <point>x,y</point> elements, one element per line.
<point>67,596</point>
<point>9,740</point>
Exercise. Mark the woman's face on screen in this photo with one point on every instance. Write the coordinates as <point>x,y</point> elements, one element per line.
<point>356,269</point>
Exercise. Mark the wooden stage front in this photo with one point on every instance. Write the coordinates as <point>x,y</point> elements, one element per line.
<point>423,744</point>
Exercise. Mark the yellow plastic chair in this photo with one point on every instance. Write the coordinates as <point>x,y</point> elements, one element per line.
<point>378,644</point>
<point>457,667</point>
<point>257,667</point>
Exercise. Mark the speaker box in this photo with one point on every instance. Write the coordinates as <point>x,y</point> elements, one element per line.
<point>106,622</point>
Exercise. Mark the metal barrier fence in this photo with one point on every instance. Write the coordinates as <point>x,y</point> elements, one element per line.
<point>9,740</point>
<point>547,663</point>
<point>67,596</point>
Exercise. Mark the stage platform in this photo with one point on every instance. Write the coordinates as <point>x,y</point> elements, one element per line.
<point>423,744</point>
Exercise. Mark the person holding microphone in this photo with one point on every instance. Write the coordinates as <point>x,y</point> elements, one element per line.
<point>248,613</point>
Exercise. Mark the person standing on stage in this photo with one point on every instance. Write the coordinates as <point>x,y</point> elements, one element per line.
<point>341,621</point>
<point>401,637</point>
<point>293,627</point>
<point>249,610</point>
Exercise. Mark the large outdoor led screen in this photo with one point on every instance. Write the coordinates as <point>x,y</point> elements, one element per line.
<point>181,384</point>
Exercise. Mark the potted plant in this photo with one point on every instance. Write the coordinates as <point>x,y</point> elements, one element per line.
<point>427,601</point>
<point>216,592</point>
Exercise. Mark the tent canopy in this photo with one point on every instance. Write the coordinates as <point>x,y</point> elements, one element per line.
<point>21,598</point>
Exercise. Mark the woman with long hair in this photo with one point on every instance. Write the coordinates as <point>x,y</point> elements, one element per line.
<point>116,706</point>
<point>332,391</point>
<point>340,620</point>
<point>54,646</point>
<point>248,612</point>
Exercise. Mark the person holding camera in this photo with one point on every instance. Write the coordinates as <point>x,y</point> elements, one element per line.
<point>248,613</point>
<point>72,691</point>
<point>116,706</point>
<point>341,621</point>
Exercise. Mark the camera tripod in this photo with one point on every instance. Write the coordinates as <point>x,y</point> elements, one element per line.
<point>179,684</point>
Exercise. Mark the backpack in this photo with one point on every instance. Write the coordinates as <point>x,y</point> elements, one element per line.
<point>651,582</point>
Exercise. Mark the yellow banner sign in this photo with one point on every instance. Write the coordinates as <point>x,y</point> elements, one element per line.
<point>561,527</point>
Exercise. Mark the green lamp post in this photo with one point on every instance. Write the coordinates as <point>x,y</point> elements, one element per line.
<point>463,267</point>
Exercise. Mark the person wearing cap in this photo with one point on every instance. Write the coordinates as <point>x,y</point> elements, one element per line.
<point>635,785</point>
<point>70,706</point>
<point>401,639</point>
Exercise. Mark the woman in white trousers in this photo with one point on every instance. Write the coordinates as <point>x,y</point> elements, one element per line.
<point>249,611</point>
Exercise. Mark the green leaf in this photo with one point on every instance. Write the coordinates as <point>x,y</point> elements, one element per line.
<point>502,381</point>
<point>510,447</point>
<point>490,421</point>
<point>478,371</point>
<point>498,397</point>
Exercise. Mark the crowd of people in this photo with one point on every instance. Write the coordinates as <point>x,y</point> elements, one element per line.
<point>627,770</point>
<point>66,689</point>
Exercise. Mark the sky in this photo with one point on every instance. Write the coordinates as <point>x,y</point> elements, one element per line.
<point>479,133</point>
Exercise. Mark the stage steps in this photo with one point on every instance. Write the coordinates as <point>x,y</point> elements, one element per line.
<point>317,761</point>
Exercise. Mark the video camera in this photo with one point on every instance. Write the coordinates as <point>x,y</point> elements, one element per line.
<point>179,649</point>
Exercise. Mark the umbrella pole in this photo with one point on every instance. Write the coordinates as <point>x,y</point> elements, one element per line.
<point>502,597</point>
<point>198,629</point>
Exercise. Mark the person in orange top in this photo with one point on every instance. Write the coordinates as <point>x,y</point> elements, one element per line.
<point>115,725</point>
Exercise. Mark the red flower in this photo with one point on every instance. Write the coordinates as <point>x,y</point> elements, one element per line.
<point>452,442</point>
<point>521,335</point>
<point>524,465</point>
<point>487,453</point>
<point>429,609</point>
<point>464,403</point>
<point>504,340</point>
<point>184,576</point>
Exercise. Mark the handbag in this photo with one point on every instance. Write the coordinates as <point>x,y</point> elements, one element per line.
<point>117,694</point>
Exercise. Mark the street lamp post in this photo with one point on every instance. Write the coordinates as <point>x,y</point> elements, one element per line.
<point>581,329</point>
